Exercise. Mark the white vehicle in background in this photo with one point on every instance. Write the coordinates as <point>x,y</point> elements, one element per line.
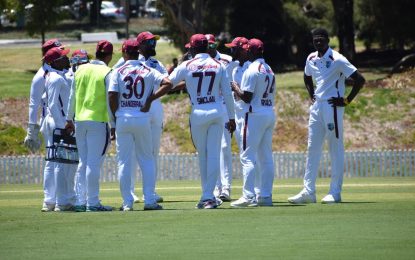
<point>150,9</point>
<point>111,10</point>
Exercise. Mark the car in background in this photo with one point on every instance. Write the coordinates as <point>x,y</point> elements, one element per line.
<point>150,9</point>
<point>111,10</point>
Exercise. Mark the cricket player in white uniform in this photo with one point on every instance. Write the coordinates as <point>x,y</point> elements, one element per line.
<point>147,50</point>
<point>131,93</point>
<point>224,182</point>
<point>205,79</point>
<point>88,102</point>
<point>258,93</point>
<point>329,69</point>
<point>57,93</point>
<point>32,141</point>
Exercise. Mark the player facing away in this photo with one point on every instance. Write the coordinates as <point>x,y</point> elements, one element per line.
<point>223,184</point>
<point>88,102</point>
<point>329,69</point>
<point>147,50</point>
<point>205,78</point>
<point>134,86</point>
<point>38,99</point>
<point>257,91</point>
<point>57,93</point>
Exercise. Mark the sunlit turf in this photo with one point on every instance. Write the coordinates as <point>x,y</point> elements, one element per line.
<point>375,221</point>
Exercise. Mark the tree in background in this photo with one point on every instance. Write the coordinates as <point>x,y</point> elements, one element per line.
<point>41,15</point>
<point>343,14</point>
<point>389,23</point>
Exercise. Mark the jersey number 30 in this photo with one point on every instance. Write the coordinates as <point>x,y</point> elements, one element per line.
<point>131,86</point>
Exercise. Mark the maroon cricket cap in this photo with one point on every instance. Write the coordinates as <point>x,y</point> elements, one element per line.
<point>52,43</point>
<point>198,40</point>
<point>210,38</point>
<point>80,53</point>
<point>54,54</point>
<point>187,45</point>
<point>254,45</point>
<point>237,42</point>
<point>144,36</point>
<point>130,46</point>
<point>105,46</point>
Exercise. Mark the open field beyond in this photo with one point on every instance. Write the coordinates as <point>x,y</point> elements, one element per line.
<point>376,221</point>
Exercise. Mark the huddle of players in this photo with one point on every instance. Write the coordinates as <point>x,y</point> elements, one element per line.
<point>227,94</point>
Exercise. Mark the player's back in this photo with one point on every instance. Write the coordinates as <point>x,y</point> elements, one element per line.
<point>135,82</point>
<point>260,80</point>
<point>204,77</point>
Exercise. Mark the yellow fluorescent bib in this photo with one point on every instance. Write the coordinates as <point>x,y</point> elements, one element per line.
<point>91,95</point>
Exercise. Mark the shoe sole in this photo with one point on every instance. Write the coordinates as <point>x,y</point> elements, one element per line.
<point>245,206</point>
<point>225,199</point>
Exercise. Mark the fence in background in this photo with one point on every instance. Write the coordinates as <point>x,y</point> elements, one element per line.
<point>29,169</point>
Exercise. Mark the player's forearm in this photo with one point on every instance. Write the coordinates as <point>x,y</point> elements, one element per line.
<point>308,81</point>
<point>358,82</point>
<point>113,102</point>
<point>164,88</point>
<point>230,107</point>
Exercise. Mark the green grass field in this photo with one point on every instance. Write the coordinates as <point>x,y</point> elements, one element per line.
<point>376,221</point>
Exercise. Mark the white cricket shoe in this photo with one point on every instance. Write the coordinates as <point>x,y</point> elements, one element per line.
<point>61,208</point>
<point>302,198</point>
<point>225,195</point>
<point>243,202</point>
<point>136,199</point>
<point>126,208</point>
<point>47,207</point>
<point>265,201</point>
<point>330,198</point>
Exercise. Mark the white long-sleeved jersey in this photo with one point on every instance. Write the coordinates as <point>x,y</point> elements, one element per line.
<point>37,89</point>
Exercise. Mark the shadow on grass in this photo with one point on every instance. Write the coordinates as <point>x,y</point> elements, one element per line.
<point>357,202</point>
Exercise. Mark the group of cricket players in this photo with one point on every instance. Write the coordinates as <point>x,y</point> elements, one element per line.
<point>230,96</point>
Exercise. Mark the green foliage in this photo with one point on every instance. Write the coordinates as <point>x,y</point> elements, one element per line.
<point>386,22</point>
<point>375,222</point>
<point>11,140</point>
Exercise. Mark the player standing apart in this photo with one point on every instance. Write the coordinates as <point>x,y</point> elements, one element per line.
<point>329,69</point>
<point>57,93</point>
<point>130,96</point>
<point>205,78</point>
<point>258,93</point>
<point>32,141</point>
<point>88,101</point>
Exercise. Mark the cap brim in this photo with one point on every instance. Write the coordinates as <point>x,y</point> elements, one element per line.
<point>157,37</point>
<point>187,45</point>
<point>230,45</point>
<point>65,51</point>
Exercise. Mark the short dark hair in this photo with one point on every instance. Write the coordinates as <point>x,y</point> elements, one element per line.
<point>320,32</point>
<point>200,49</point>
<point>101,55</point>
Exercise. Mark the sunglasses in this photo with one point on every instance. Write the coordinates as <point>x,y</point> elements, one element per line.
<point>151,42</point>
<point>213,45</point>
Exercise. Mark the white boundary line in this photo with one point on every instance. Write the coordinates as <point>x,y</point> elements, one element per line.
<point>238,187</point>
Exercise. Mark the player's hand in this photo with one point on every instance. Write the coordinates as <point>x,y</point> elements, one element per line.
<point>32,140</point>
<point>112,135</point>
<point>146,107</point>
<point>231,126</point>
<point>70,127</point>
<point>234,85</point>
<point>337,102</point>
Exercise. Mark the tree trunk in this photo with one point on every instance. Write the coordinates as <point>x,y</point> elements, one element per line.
<point>343,13</point>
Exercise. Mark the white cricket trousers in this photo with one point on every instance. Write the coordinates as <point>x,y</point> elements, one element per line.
<point>321,126</point>
<point>49,182</point>
<point>206,127</point>
<point>60,178</point>
<point>225,178</point>
<point>132,133</point>
<point>240,119</point>
<point>256,154</point>
<point>92,140</point>
<point>156,122</point>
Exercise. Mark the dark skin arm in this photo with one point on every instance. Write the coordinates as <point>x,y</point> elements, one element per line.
<point>308,81</point>
<point>165,87</point>
<point>244,95</point>
<point>113,100</point>
<point>358,82</point>
<point>179,86</point>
